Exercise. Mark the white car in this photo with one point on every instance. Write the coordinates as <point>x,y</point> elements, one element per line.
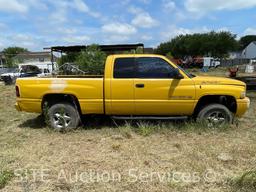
<point>24,71</point>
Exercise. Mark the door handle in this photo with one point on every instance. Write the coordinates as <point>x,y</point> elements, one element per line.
<point>140,85</point>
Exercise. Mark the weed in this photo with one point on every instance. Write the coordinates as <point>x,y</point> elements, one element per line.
<point>246,182</point>
<point>116,146</point>
<point>126,130</point>
<point>5,177</point>
<point>145,128</point>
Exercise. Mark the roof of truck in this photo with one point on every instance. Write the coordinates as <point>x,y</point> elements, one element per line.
<point>137,55</point>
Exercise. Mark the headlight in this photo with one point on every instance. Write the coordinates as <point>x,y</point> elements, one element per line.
<point>243,95</point>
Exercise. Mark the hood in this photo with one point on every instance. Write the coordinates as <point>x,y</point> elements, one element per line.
<point>208,80</point>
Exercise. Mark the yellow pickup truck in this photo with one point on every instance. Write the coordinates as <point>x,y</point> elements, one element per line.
<point>140,86</point>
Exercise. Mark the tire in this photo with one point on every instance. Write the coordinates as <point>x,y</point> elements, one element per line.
<point>215,115</point>
<point>63,117</point>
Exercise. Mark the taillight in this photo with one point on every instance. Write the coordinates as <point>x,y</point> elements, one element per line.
<point>17,91</point>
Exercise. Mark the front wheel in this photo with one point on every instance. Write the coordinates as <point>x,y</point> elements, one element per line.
<point>63,117</point>
<point>215,115</point>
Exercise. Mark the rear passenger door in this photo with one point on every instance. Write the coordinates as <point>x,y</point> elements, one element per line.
<point>157,92</point>
<point>122,87</point>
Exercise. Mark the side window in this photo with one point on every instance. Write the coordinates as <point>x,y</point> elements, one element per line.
<point>124,68</point>
<point>151,67</point>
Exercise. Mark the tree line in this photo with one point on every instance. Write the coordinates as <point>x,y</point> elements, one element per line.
<point>215,44</point>
<point>9,54</point>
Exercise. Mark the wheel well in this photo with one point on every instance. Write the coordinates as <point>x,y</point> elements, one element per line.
<point>228,101</point>
<point>51,99</point>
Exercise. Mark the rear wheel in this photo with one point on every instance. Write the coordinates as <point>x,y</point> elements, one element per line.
<point>215,115</point>
<point>63,117</point>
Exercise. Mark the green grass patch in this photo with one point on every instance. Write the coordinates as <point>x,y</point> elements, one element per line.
<point>5,177</point>
<point>245,183</point>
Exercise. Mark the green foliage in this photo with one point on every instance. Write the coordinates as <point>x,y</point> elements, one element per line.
<point>11,52</point>
<point>126,130</point>
<point>146,128</point>
<point>246,40</point>
<point>5,177</point>
<point>67,58</point>
<point>92,60</point>
<point>216,44</point>
<point>245,182</point>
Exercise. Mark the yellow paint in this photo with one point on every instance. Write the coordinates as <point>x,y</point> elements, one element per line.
<point>158,97</point>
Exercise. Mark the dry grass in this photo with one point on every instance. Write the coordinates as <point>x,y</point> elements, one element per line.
<point>166,149</point>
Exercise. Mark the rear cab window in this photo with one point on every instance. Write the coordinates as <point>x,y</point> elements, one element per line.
<point>124,68</point>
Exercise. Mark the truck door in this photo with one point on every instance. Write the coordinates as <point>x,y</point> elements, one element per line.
<point>122,87</point>
<point>157,92</point>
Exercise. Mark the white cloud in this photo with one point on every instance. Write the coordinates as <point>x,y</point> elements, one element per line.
<point>22,40</point>
<point>37,4</point>
<point>250,31</point>
<point>168,5</point>
<point>115,39</point>
<point>146,37</point>
<point>119,29</point>
<point>205,6</point>
<point>173,31</point>
<point>76,39</point>
<point>82,6</point>
<point>13,6</point>
<point>144,20</point>
<point>135,10</point>
<point>65,30</point>
<point>59,16</point>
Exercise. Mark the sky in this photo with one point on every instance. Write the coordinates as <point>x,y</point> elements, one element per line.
<point>35,24</point>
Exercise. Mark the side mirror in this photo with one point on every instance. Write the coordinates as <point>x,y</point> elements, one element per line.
<point>176,74</point>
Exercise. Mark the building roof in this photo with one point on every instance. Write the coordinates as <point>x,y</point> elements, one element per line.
<point>33,55</point>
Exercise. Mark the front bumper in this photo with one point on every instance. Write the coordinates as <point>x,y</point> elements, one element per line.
<point>242,106</point>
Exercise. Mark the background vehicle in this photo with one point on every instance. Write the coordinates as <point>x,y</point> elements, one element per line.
<point>133,86</point>
<point>24,71</point>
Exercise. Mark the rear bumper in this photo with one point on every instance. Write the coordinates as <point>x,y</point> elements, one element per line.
<point>17,107</point>
<point>28,105</point>
<point>242,106</point>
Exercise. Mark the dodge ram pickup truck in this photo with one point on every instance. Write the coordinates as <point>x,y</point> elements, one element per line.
<point>138,86</point>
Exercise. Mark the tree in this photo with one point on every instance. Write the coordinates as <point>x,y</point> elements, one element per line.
<point>67,58</point>
<point>92,60</point>
<point>205,44</point>
<point>246,40</point>
<point>11,52</point>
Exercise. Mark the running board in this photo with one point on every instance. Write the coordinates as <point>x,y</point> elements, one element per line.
<point>149,118</point>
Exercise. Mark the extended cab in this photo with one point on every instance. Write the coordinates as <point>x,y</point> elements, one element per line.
<point>133,86</point>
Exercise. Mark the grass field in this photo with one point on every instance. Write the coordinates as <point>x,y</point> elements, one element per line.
<point>115,156</point>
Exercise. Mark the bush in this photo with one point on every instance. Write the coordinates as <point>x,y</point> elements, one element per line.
<point>92,60</point>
